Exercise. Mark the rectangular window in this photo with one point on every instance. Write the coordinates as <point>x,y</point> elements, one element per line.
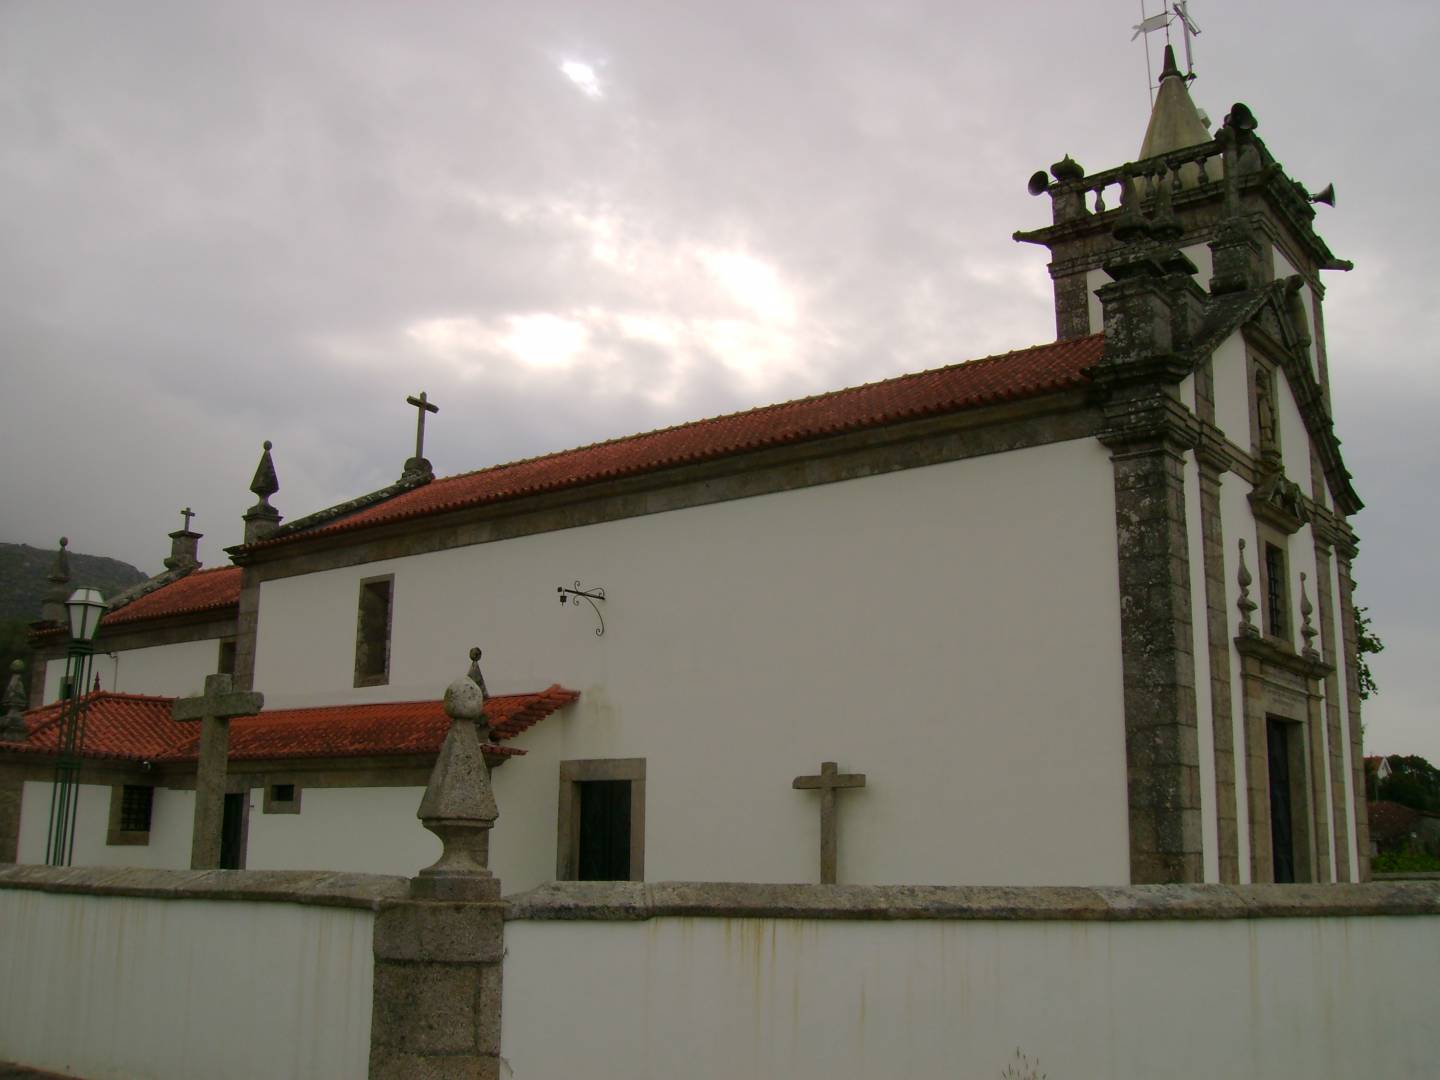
<point>1275,598</point>
<point>226,662</point>
<point>372,633</point>
<point>135,804</point>
<point>601,829</point>
<point>282,798</point>
<point>131,807</point>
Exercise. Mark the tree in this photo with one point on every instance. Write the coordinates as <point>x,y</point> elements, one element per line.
<point>1366,643</point>
<point>1412,782</point>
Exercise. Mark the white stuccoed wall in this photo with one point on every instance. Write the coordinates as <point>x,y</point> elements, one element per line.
<point>1232,391</point>
<point>171,816</point>
<point>167,670</point>
<point>1307,998</point>
<point>370,829</point>
<point>951,631</point>
<point>120,987</point>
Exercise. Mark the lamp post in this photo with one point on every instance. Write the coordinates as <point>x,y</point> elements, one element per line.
<point>84,607</point>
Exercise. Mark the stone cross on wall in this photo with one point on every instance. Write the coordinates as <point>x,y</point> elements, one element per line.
<point>829,781</point>
<point>220,703</point>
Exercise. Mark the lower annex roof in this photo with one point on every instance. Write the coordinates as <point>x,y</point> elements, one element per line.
<point>135,727</point>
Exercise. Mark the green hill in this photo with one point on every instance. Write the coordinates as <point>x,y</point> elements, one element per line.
<point>24,577</point>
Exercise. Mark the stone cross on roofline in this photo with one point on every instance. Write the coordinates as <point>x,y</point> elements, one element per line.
<point>829,781</point>
<point>417,465</point>
<point>215,708</point>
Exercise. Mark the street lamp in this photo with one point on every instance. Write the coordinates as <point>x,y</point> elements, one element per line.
<point>85,607</point>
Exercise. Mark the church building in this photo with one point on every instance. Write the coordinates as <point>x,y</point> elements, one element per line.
<point>1077,614</point>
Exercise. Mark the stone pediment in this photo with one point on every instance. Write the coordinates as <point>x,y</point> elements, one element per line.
<point>1273,322</point>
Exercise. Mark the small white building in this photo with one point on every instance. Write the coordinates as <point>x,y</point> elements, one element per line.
<point>1078,614</point>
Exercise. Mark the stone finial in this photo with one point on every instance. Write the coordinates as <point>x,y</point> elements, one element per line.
<point>184,545</point>
<point>52,608</point>
<point>12,723</point>
<point>262,519</point>
<point>1245,604</point>
<point>1307,630</point>
<point>459,805</point>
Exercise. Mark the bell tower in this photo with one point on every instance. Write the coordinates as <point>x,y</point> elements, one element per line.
<point>1242,221</point>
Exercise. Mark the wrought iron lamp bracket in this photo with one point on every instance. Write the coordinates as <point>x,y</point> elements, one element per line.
<point>573,596</point>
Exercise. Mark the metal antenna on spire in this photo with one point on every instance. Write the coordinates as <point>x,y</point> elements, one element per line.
<point>1177,11</point>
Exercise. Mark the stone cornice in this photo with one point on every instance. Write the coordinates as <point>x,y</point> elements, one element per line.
<point>1271,652</point>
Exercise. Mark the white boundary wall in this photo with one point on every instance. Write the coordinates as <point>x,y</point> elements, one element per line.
<point>128,986</point>
<point>792,999</point>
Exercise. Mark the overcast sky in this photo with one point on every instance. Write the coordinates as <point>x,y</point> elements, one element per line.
<point>227,222</point>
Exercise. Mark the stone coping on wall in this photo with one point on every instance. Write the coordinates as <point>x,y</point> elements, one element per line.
<point>314,887</point>
<point>634,901</point>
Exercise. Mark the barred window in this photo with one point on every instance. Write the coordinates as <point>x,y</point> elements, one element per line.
<point>135,805</point>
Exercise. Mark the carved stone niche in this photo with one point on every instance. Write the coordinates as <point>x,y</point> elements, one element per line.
<point>1278,502</point>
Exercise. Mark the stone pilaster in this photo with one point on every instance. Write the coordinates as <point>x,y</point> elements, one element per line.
<point>1352,685</point>
<point>1340,820</point>
<point>247,625</point>
<point>1072,307</point>
<point>1217,627</point>
<point>1161,737</point>
<point>1149,431</point>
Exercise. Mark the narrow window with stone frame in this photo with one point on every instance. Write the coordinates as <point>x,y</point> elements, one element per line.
<point>372,632</point>
<point>1277,623</point>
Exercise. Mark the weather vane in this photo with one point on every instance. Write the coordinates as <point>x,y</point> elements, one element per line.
<point>1178,11</point>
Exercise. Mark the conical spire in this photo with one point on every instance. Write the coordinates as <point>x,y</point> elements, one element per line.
<point>262,519</point>
<point>1174,121</point>
<point>266,483</point>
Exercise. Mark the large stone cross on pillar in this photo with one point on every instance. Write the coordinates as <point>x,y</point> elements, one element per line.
<point>214,709</point>
<point>829,781</point>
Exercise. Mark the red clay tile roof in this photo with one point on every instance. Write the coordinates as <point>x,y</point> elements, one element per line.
<point>204,590</point>
<point>131,726</point>
<point>1025,373</point>
<point>138,728</point>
